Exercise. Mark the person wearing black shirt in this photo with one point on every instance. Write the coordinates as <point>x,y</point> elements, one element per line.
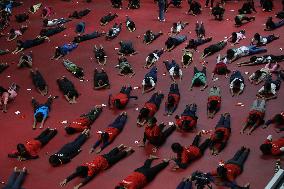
<point>85,37</point>
<point>100,55</point>
<point>107,18</point>
<point>39,82</point>
<point>101,80</point>
<point>22,45</point>
<point>51,31</point>
<point>174,41</point>
<point>68,89</point>
<point>247,7</point>
<point>80,14</point>
<point>149,36</point>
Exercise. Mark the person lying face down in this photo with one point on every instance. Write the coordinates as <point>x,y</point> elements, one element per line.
<point>178,27</point>
<point>277,120</point>
<point>174,70</point>
<point>268,91</point>
<point>194,43</point>
<point>124,67</point>
<point>101,80</point>
<point>188,120</point>
<point>100,55</point>
<point>236,37</point>
<point>86,37</point>
<point>149,36</point>
<point>7,96</point>
<point>173,99</point>
<point>51,31</point>
<point>68,89</point>
<point>221,67</point>
<point>214,101</point>
<point>150,80</point>
<point>130,25</point>
<point>126,48</point>
<point>218,11</point>
<point>121,99</point>
<point>153,58</point>
<point>114,31</point>
<point>107,18</point>
<point>14,34</point>
<point>214,48</point>
<point>77,71</point>
<point>270,25</point>
<point>237,83</point>
<point>116,4</point>
<point>174,41</point>
<point>262,41</point>
<point>133,4</point>
<point>236,53</point>
<point>261,75</point>
<point>55,22</point>
<point>242,19</point>
<point>63,50</point>
<point>270,147</point>
<point>23,45</point>
<point>265,59</point>
<point>80,14</point>
<point>39,82</point>
<point>199,78</point>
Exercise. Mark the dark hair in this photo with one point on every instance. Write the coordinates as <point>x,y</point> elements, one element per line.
<point>176,147</point>
<point>70,130</point>
<point>45,21</point>
<point>57,52</point>
<point>234,37</point>
<point>54,160</point>
<point>79,73</point>
<point>185,125</point>
<point>222,70</point>
<point>269,23</point>
<point>169,43</point>
<point>266,148</point>
<point>213,105</point>
<point>257,74</point>
<point>219,135</point>
<point>131,25</point>
<point>237,85</point>
<point>252,119</point>
<point>176,70</point>
<point>171,100</point>
<point>104,136</point>
<point>175,25</point>
<point>230,54</point>
<point>267,86</point>
<point>82,171</point>
<point>110,32</point>
<point>22,149</point>
<point>119,187</point>
<point>147,81</point>
<point>222,172</point>
<point>278,118</point>
<point>257,37</point>
<point>238,21</point>
<point>117,103</point>
<point>72,93</point>
<point>143,113</point>
<point>39,117</point>
<point>253,58</point>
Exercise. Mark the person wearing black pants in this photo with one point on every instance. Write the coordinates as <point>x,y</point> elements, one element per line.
<point>143,175</point>
<point>46,136</point>
<point>16,179</point>
<point>69,150</point>
<point>39,82</point>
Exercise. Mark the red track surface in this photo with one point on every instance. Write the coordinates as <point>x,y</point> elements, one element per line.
<point>15,129</point>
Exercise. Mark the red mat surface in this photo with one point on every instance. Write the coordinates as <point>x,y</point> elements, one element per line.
<point>17,128</point>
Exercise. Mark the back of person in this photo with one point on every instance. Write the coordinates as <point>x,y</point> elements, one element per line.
<point>97,165</point>
<point>233,171</point>
<point>190,153</point>
<point>33,147</point>
<point>134,181</point>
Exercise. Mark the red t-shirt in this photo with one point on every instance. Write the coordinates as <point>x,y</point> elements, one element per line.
<point>220,66</point>
<point>276,145</point>
<point>33,147</point>
<point>152,108</point>
<point>176,97</point>
<point>81,124</point>
<point>97,165</point>
<point>123,98</point>
<point>152,132</point>
<point>260,115</point>
<point>192,124</point>
<point>190,153</point>
<point>134,181</point>
<point>225,138</point>
<point>215,98</point>
<point>232,171</point>
<point>112,133</point>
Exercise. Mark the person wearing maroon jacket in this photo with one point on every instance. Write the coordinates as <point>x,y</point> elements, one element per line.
<point>229,171</point>
<point>121,99</point>
<point>278,120</point>
<point>188,119</point>
<point>270,147</point>
<point>111,132</point>
<point>84,121</point>
<point>102,162</point>
<point>143,175</point>
<point>214,101</point>
<point>173,99</point>
<point>185,155</point>
<point>221,134</point>
<point>221,67</point>
<point>150,108</point>
<point>32,147</point>
<point>155,134</point>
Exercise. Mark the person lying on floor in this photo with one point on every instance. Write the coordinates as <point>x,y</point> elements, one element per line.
<point>86,37</point>
<point>124,67</point>
<point>149,36</point>
<point>68,89</point>
<point>277,120</point>
<point>237,83</point>
<point>7,96</point>
<point>126,48</point>
<point>242,19</point>
<point>16,179</point>
<point>47,11</point>
<point>84,121</point>
<point>247,8</point>
<point>121,99</point>
<point>270,25</point>
<point>143,175</point>
<point>178,27</point>
<point>221,135</point>
<point>200,30</point>
<point>268,90</point>
<point>188,119</point>
<point>175,3</point>
<point>199,78</point>
<point>261,75</point>
<point>107,18</point>
<point>80,14</point>
<point>55,22</point>
<point>101,80</point>
<point>26,60</point>
<point>236,37</point>
<point>194,43</point>
<point>133,4</point>
<point>153,58</point>
<point>106,137</point>
<point>230,170</point>
<point>214,101</point>
<point>41,111</point>
<point>23,45</point>
<point>39,82</point>
<point>89,170</point>
<point>80,28</point>
<point>256,116</point>
<point>114,31</point>
<point>186,155</point>
<point>130,25</point>
<point>236,53</point>
<point>21,17</point>
<point>267,5</point>
<point>218,11</point>
<point>174,41</point>
<point>31,148</point>
<point>150,80</point>
<point>221,67</point>
<point>150,108</point>
<point>100,55</point>
<point>187,58</point>
<point>254,60</point>
<point>61,51</point>
<point>116,4</point>
<point>51,31</point>
<point>194,7</point>
<point>173,99</point>
<point>14,34</point>
<point>275,148</point>
<point>77,71</point>
<point>3,66</point>
<point>69,150</point>
<point>156,134</point>
<point>173,69</point>
<point>262,41</point>
<point>214,48</point>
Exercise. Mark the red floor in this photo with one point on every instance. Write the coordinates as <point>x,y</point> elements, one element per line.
<point>17,128</point>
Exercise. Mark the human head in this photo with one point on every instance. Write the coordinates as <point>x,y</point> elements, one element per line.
<point>143,113</point>
<point>22,149</point>
<point>257,74</point>
<point>147,81</point>
<point>230,54</point>
<point>234,37</point>
<point>152,121</point>
<point>104,136</point>
<point>82,171</point>
<point>213,105</point>
<point>185,125</point>
<point>70,130</point>
<point>169,43</point>
<point>253,58</point>
<point>278,118</point>
<point>257,37</point>
<point>219,135</point>
<point>117,103</point>
<point>54,160</point>
<point>39,117</point>
<point>176,148</point>
<point>45,22</point>
<point>237,85</point>
<point>222,172</point>
<point>176,70</point>
<point>171,100</point>
<point>267,86</point>
<point>266,148</point>
<point>174,25</point>
<point>252,119</point>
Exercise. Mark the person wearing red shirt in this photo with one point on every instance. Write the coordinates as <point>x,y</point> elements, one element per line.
<point>270,147</point>
<point>173,99</point>
<point>214,101</point>
<point>84,121</point>
<point>155,134</point>
<point>221,67</point>
<point>32,147</point>
<point>221,134</point>
<point>188,119</point>
<point>112,131</point>
<point>121,99</point>
<point>102,162</point>
<point>150,108</point>
<point>229,171</point>
<point>185,155</point>
<point>143,175</point>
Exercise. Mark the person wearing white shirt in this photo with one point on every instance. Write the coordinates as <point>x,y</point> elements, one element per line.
<point>236,53</point>
<point>178,27</point>
<point>153,57</point>
<point>174,69</point>
<point>236,37</point>
<point>237,84</point>
<point>261,40</point>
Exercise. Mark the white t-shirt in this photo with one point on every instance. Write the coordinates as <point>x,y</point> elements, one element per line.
<point>177,30</point>
<point>240,36</point>
<point>242,84</point>
<point>151,81</point>
<point>172,71</point>
<point>273,89</point>
<point>242,51</point>
<point>263,40</point>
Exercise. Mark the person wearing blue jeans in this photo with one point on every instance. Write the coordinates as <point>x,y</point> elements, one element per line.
<point>174,41</point>
<point>253,49</point>
<point>270,25</point>
<point>190,110</point>
<point>150,80</point>
<point>162,9</point>
<point>224,121</point>
<point>16,179</point>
